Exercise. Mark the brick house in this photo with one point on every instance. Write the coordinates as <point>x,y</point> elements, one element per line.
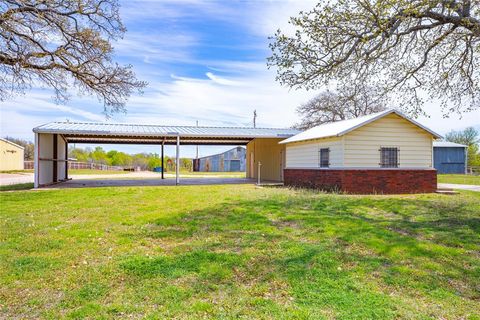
<point>385,152</point>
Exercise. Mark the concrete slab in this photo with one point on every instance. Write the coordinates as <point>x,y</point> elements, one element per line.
<point>459,186</point>
<point>7,179</point>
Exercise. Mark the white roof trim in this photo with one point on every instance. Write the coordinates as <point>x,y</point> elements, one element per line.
<point>141,130</point>
<point>303,136</point>
<point>12,143</point>
<point>448,144</point>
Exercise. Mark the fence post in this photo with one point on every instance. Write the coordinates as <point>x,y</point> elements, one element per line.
<point>259,167</point>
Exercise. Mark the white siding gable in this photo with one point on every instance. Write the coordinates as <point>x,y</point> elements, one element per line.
<point>362,145</point>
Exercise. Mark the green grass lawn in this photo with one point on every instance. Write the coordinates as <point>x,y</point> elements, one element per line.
<point>235,251</point>
<point>18,186</point>
<point>17,171</point>
<point>458,179</point>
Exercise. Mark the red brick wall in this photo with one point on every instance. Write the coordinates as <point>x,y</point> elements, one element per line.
<point>364,181</point>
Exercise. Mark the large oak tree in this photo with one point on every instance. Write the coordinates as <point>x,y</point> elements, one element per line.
<point>412,50</point>
<point>63,44</point>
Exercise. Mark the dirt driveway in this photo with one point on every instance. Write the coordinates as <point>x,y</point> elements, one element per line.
<point>15,178</point>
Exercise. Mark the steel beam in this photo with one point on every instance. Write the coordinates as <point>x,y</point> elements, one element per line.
<point>163,166</point>
<point>177,167</point>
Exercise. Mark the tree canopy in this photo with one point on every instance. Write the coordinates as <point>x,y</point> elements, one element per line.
<point>146,161</point>
<point>330,106</point>
<point>412,50</point>
<point>64,43</point>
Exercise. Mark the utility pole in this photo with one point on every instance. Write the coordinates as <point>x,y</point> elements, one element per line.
<point>254,118</point>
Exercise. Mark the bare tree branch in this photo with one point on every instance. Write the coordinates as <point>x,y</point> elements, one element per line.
<point>331,106</point>
<point>64,43</point>
<point>408,49</point>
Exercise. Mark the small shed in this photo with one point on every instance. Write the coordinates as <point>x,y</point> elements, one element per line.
<point>385,152</point>
<point>232,160</point>
<point>450,157</point>
<point>11,155</point>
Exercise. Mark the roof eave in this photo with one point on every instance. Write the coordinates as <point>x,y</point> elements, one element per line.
<point>379,116</point>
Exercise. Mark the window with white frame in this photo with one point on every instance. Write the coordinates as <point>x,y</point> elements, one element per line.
<point>389,157</point>
<point>324,157</point>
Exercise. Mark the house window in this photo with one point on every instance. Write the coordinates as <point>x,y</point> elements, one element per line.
<point>389,157</point>
<point>324,157</point>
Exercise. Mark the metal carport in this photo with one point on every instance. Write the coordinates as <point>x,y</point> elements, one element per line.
<point>52,139</point>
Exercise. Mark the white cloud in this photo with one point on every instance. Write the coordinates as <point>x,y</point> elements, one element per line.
<point>222,81</point>
<point>157,46</point>
<point>224,92</point>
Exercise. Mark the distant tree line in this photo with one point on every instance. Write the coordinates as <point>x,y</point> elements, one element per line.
<point>146,161</point>
<point>28,145</point>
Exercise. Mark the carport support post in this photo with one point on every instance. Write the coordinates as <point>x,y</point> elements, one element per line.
<point>163,167</point>
<point>35,163</point>
<point>66,159</point>
<point>177,166</point>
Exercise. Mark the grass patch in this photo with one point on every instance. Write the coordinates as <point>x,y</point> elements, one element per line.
<point>19,186</point>
<point>235,251</point>
<point>17,171</point>
<point>459,179</point>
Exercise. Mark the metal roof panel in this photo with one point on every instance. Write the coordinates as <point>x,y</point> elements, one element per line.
<point>448,144</point>
<point>140,130</point>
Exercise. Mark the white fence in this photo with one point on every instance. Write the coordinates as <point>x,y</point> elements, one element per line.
<point>81,165</point>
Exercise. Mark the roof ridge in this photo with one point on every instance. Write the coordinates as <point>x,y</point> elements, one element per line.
<point>164,125</point>
<point>12,143</point>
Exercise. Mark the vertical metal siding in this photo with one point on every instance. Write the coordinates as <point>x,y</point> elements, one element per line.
<point>223,162</point>
<point>449,160</point>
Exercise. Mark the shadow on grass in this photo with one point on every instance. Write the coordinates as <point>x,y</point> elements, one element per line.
<point>20,186</point>
<point>338,252</point>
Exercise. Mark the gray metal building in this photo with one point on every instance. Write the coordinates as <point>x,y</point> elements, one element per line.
<point>449,157</point>
<point>233,160</point>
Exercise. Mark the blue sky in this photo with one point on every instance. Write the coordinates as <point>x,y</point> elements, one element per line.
<point>205,61</point>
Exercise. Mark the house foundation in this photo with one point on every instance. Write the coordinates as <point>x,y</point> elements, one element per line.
<point>364,181</point>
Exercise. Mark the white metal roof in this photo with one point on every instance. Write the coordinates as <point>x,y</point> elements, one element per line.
<point>448,144</point>
<point>13,144</point>
<point>125,133</point>
<point>340,128</point>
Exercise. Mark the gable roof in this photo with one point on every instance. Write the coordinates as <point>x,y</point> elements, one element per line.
<point>340,128</point>
<point>13,144</point>
<point>448,144</point>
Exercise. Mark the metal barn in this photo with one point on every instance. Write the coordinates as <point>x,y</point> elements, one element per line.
<point>233,160</point>
<point>449,157</point>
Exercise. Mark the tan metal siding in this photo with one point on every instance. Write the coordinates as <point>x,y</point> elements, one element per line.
<point>305,154</point>
<point>362,145</point>
<point>271,154</point>
<point>11,156</point>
